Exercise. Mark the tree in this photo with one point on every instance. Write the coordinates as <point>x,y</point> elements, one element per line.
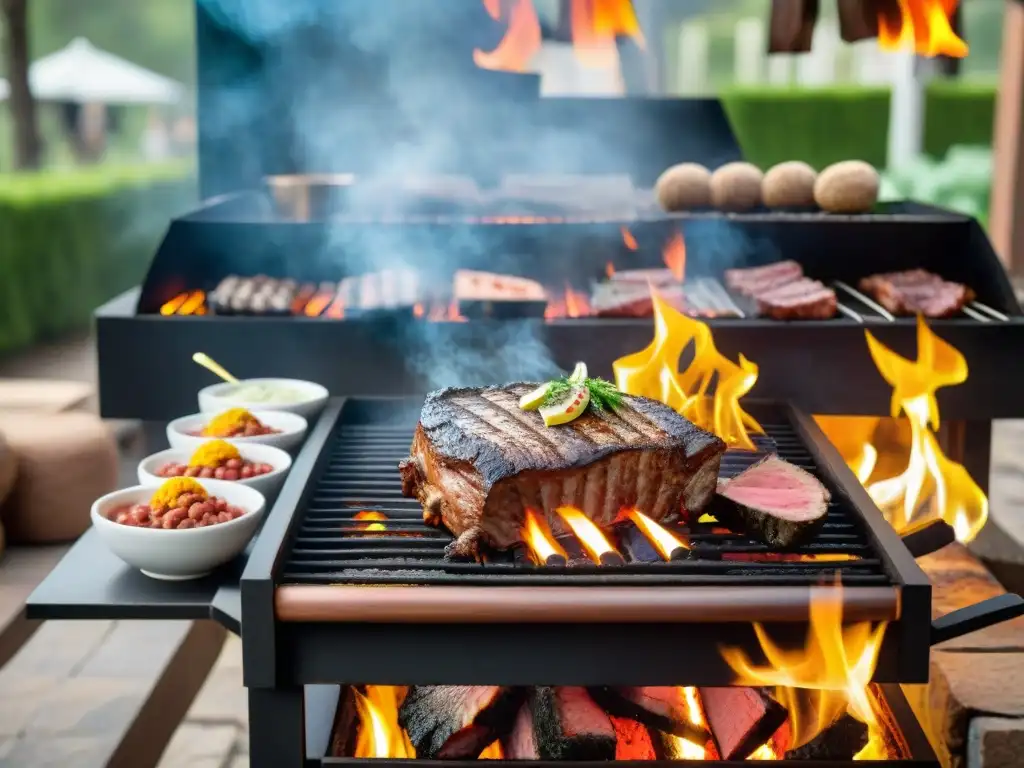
<point>27,144</point>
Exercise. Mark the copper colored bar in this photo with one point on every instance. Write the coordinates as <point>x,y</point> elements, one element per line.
<point>561,605</point>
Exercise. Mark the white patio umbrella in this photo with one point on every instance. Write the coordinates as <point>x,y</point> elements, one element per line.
<point>4,89</point>
<point>84,74</point>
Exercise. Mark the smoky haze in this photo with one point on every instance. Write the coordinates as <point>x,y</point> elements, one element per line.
<point>398,75</point>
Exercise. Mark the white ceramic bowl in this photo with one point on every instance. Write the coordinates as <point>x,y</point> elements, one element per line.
<point>175,555</point>
<point>217,397</point>
<point>293,429</point>
<point>267,484</point>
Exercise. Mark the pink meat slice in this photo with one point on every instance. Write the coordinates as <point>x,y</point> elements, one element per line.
<point>778,488</point>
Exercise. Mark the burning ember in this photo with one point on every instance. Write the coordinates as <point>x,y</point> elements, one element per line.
<point>590,536</point>
<point>666,542</point>
<point>372,517</point>
<point>932,485</point>
<point>653,372</point>
<point>545,550</point>
<point>596,24</point>
<point>827,678</point>
<point>571,303</point>
<point>193,303</point>
<point>675,256</point>
<point>923,26</point>
<point>628,239</point>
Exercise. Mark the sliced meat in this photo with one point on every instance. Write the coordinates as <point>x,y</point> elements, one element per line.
<point>773,501</point>
<point>520,743</point>
<point>917,291</point>
<point>802,299</point>
<point>663,708</point>
<point>741,719</point>
<point>657,277</point>
<point>568,725</point>
<point>628,299</point>
<point>478,462</point>
<point>752,280</point>
<point>471,285</point>
<point>456,721</point>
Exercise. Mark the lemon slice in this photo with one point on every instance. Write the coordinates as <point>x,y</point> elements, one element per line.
<point>531,401</point>
<point>567,408</point>
<point>579,373</point>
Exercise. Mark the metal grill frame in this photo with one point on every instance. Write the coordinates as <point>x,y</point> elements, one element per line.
<point>369,641</point>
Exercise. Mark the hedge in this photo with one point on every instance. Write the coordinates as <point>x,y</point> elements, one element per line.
<point>71,240</point>
<point>824,125</point>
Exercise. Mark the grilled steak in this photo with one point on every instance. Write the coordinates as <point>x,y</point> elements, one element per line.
<point>773,501</point>
<point>456,721</point>
<point>783,292</point>
<point>657,277</point>
<point>802,299</point>
<point>388,289</point>
<point>478,462</point>
<point>631,299</point>
<point>917,291</point>
<point>486,294</point>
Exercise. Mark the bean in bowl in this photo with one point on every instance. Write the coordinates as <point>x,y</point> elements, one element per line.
<point>177,504</point>
<point>235,422</point>
<point>216,459</point>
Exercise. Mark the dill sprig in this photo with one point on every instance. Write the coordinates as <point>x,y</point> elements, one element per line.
<point>603,394</point>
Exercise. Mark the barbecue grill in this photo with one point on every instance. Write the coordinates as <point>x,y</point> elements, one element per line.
<point>333,594</point>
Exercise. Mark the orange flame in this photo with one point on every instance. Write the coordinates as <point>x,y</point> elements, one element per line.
<point>590,535</point>
<point>492,752</point>
<point>932,485</point>
<point>923,26</point>
<point>684,748</point>
<point>675,256</point>
<point>317,304</point>
<point>539,539</point>
<point>628,239</point>
<point>493,8</point>
<point>337,309</point>
<point>609,270</point>
<point>189,303</point>
<point>521,41</point>
<point>653,372</point>
<point>595,26</point>
<point>662,539</point>
<point>372,515</point>
<point>572,303</point>
<point>171,307</point>
<point>379,733</point>
<point>826,678</point>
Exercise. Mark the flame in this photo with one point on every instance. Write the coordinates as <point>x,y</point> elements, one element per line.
<point>595,26</point>
<point>539,539</point>
<point>764,752</point>
<point>337,309</point>
<point>492,752</point>
<point>590,535</point>
<point>609,270</point>
<point>684,748</point>
<point>864,465</point>
<point>826,678</point>
<point>932,485</point>
<point>171,307</point>
<point>521,41</point>
<point>493,8</point>
<point>628,239</point>
<point>571,303</point>
<point>188,303</point>
<point>379,733</point>
<point>372,515</point>
<point>662,539</point>
<point>653,372</point>
<point>317,304</point>
<point>418,311</point>
<point>675,256</point>
<point>923,26</point>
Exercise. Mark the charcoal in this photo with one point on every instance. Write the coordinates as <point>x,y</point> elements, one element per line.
<point>772,501</point>
<point>741,719</point>
<point>840,741</point>
<point>632,740</point>
<point>569,725</point>
<point>457,721</point>
<point>663,708</point>
<point>520,743</point>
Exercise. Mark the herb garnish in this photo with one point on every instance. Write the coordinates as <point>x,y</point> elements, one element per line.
<point>603,394</point>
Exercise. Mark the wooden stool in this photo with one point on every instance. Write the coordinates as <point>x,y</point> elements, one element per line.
<point>65,462</point>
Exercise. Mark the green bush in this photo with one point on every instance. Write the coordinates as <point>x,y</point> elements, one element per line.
<point>824,125</point>
<point>71,240</point>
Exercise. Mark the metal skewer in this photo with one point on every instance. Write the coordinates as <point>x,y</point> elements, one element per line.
<point>993,313</point>
<point>976,315</point>
<point>865,300</point>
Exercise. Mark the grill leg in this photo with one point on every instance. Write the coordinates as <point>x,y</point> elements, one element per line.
<point>277,728</point>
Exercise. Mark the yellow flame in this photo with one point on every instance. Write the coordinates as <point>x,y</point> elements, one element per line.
<point>539,539</point>
<point>379,733</point>
<point>684,748</point>
<point>865,463</point>
<point>826,678</point>
<point>590,535</point>
<point>654,373</point>
<point>662,539</point>
<point>923,27</point>
<point>764,752</point>
<point>932,486</point>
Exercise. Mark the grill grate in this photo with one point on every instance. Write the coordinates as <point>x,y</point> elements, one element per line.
<point>331,545</point>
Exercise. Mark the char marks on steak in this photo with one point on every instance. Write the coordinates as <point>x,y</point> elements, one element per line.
<point>663,708</point>
<point>781,291</point>
<point>478,462</point>
<point>568,725</point>
<point>456,721</point>
<point>917,291</point>
<point>772,501</point>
